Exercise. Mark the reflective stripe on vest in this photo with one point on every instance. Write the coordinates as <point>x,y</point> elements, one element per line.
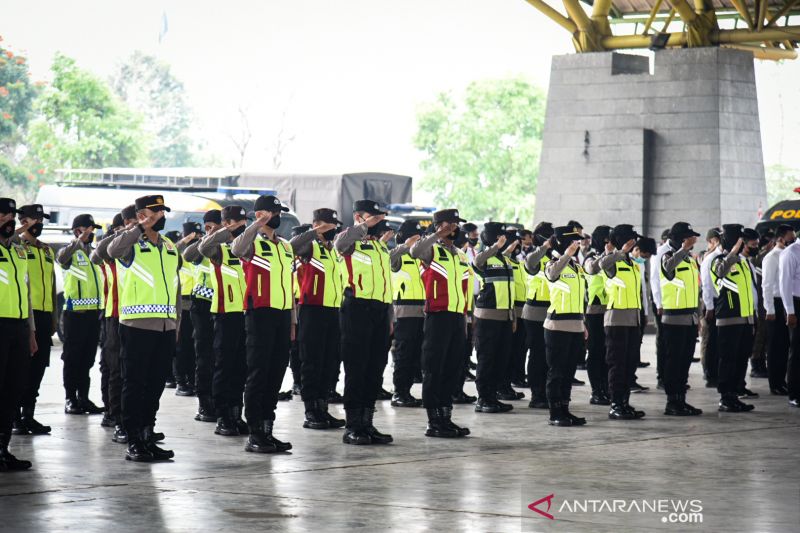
<point>407,282</point>
<point>319,278</point>
<point>520,285</point>
<point>186,275</point>
<point>625,288</point>
<point>734,296</point>
<point>369,272</point>
<point>497,284</point>
<point>596,288</point>
<point>679,295</point>
<point>203,289</point>
<point>40,274</point>
<point>228,283</point>
<point>568,294</point>
<point>149,284</point>
<point>13,289</point>
<point>269,275</point>
<point>83,282</point>
<point>445,280</point>
<point>538,290</point>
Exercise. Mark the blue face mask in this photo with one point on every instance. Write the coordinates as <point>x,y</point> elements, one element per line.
<point>639,260</point>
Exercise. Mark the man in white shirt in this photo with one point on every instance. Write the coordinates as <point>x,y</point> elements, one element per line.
<point>777,331</point>
<point>789,267</point>
<point>655,290</point>
<point>708,339</point>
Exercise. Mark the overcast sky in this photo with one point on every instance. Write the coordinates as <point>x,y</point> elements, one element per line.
<point>348,75</point>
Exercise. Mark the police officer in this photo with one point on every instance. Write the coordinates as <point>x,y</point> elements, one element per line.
<point>708,337</point>
<point>679,277</point>
<point>43,295</point>
<point>227,306</point>
<point>515,370</point>
<point>459,396</point>
<point>83,286</point>
<point>494,317</point>
<point>622,320</point>
<point>597,300</point>
<point>409,316</point>
<point>537,300</point>
<point>365,320</point>
<point>734,309</point>
<point>564,330</point>
<point>149,309</point>
<point>320,292</point>
<point>202,319</point>
<point>295,363</point>
<point>17,329</point>
<point>446,280</point>
<point>184,364</point>
<point>269,321</point>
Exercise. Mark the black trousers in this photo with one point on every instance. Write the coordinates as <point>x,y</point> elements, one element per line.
<point>407,352</point>
<point>183,366</point>
<point>40,360</point>
<point>622,352</point>
<point>709,349</point>
<point>203,326</point>
<point>793,369</point>
<point>365,350</point>
<point>777,346</point>
<point>493,346</point>
<point>15,358</point>
<point>318,338</point>
<point>537,360</point>
<point>267,345</point>
<point>104,372</point>
<point>458,386</point>
<point>81,335</point>
<point>564,351</point>
<point>146,361</point>
<point>230,361</point>
<point>110,355</point>
<point>596,366</point>
<point>442,357</point>
<point>519,353</point>
<point>734,346</point>
<point>661,348</point>
<point>679,342</point>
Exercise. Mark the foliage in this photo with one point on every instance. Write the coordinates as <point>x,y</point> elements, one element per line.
<point>781,182</point>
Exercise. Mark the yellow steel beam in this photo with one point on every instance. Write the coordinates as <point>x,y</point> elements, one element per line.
<point>718,37</point>
<point>781,12</point>
<point>554,15</point>
<point>652,17</point>
<point>762,14</point>
<point>600,10</point>
<point>578,15</point>
<point>741,8</point>
<point>668,21</point>
<point>774,54</point>
<point>686,13</point>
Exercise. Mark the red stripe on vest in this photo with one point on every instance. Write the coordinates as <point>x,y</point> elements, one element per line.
<point>252,273</point>
<point>429,278</point>
<point>305,277</point>
<point>220,291</point>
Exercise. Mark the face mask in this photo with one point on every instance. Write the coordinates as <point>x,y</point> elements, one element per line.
<point>473,242</point>
<point>461,240</point>
<point>752,251</point>
<point>159,225</point>
<point>238,231</point>
<point>375,230</point>
<point>274,222</point>
<point>329,235</point>
<point>639,260</point>
<point>36,229</point>
<point>7,229</point>
<point>455,234</point>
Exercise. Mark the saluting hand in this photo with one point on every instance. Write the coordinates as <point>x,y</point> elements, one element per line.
<point>23,228</point>
<point>412,240</point>
<point>34,347</point>
<point>629,246</point>
<point>84,236</point>
<point>386,237</point>
<point>689,242</point>
<point>150,220</point>
<point>325,226</point>
<point>263,218</point>
<point>189,237</point>
<point>445,229</point>
<point>738,245</point>
<point>572,249</point>
<point>501,241</point>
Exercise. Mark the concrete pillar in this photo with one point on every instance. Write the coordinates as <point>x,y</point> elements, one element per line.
<point>622,145</point>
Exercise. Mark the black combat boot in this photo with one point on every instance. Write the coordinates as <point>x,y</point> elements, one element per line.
<point>462,397</point>
<point>335,397</point>
<point>18,427</point>
<point>108,421</point>
<point>241,425</point>
<point>150,439</point>
<point>88,405</point>
<point>437,427</point>
<point>257,441</point>
<point>447,414</point>
<point>618,410</point>
<point>226,423</point>
<point>333,422</point>
<point>315,419</point>
<point>576,420</point>
<point>675,406</point>
<point>120,435</point>
<point>279,445</point>
<point>405,399</point>
<point>354,432</point>
<point>205,409</point>
<point>636,412</point>
<point>7,460</point>
<point>537,401</point>
<point>72,406</point>
<point>184,388</point>
<point>376,436</point>
<point>690,409</point>
<point>155,436</point>
<point>138,450</point>
<point>557,416</point>
<point>384,394</point>
<point>599,397</point>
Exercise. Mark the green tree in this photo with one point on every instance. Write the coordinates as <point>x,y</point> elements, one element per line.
<point>81,124</point>
<point>481,151</point>
<point>147,84</point>
<point>781,182</point>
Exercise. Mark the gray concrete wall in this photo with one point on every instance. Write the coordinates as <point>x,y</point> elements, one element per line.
<point>622,145</point>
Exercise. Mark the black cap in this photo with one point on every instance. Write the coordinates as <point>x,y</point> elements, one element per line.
<point>665,234</point>
<point>469,227</point>
<point>575,224</point>
<point>647,245</point>
<point>213,215</point>
<point>567,234</point>
<point>84,221</point>
<point>117,221</point>
<point>368,206</point>
<point>382,227</point>
<point>447,215</point>
<point>713,233</point>
<point>326,215</point>
<point>191,227</point>
<point>407,229</point>
<point>543,231</point>
<point>234,212</point>
<point>173,235</point>
<point>8,205</point>
<point>299,230</point>
<point>622,233</point>
<point>33,211</point>
<point>600,236</point>
<point>491,231</point>
<point>750,234</point>
<point>129,212</point>
<point>730,234</point>
<point>267,202</point>
<point>154,202</point>
<point>682,230</point>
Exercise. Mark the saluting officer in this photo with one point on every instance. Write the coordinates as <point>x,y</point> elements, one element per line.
<point>446,279</point>
<point>43,295</point>
<point>365,320</point>
<point>149,309</point>
<point>321,290</point>
<point>17,330</point>
<point>269,320</point>
<point>83,300</point>
<point>183,366</point>
<point>597,302</point>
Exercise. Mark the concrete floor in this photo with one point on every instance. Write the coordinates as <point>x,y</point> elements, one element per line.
<point>743,467</point>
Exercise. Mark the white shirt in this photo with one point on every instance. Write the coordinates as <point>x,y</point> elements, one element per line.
<point>655,274</point>
<point>770,281</point>
<point>709,291</point>
<point>790,276</point>
<point>471,253</point>
<point>645,292</point>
